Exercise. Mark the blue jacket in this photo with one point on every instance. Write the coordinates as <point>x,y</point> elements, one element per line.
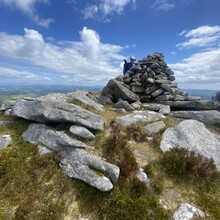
<point>127,66</point>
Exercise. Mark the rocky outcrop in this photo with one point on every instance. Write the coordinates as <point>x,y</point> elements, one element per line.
<point>82,165</point>
<point>53,111</point>
<point>40,134</point>
<point>203,116</point>
<point>148,80</point>
<point>193,136</point>
<point>137,117</point>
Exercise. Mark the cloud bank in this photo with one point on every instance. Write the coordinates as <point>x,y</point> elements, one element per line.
<point>88,61</point>
<point>28,8</point>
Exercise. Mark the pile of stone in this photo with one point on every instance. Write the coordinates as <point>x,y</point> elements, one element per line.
<point>150,80</point>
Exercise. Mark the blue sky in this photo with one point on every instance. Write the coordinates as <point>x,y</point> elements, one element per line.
<point>84,42</point>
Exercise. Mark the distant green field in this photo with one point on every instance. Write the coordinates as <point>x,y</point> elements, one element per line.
<point>12,96</point>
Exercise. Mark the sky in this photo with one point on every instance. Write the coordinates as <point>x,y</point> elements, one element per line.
<point>73,42</point>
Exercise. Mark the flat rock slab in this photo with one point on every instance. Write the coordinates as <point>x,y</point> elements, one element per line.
<point>193,136</point>
<point>211,116</point>
<point>191,105</point>
<point>40,134</point>
<point>86,98</point>
<point>138,116</point>
<point>82,132</point>
<point>82,165</point>
<point>53,111</point>
<point>5,140</point>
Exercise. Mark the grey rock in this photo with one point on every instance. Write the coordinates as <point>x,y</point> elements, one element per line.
<point>142,176</point>
<point>136,105</point>
<point>192,98</point>
<point>51,111</point>
<point>84,97</point>
<point>118,90</point>
<point>154,127</point>
<point>82,132</point>
<point>187,212</point>
<point>167,87</point>
<point>7,112</point>
<point>125,105</point>
<point>164,97</point>
<point>149,80</point>
<point>157,92</point>
<point>179,98</point>
<point>191,105</point>
<point>164,109</point>
<point>171,78</point>
<point>43,150</point>
<point>137,89</point>
<point>138,116</point>
<point>151,90</point>
<point>5,140</point>
<point>82,165</point>
<point>211,116</point>
<point>6,106</point>
<point>119,110</point>
<point>40,134</point>
<point>194,136</point>
<point>152,106</point>
<point>102,99</point>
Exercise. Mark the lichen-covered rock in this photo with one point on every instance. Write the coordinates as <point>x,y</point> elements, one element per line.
<point>82,165</point>
<point>40,134</point>
<point>193,136</point>
<point>82,132</point>
<point>154,127</point>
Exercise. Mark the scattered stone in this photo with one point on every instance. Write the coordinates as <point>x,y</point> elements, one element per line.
<point>5,140</point>
<point>125,105</point>
<point>187,212</point>
<point>193,136</point>
<point>102,99</point>
<point>164,109</point>
<point>51,111</point>
<point>119,110</point>
<point>7,105</point>
<point>142,176</point>
<point>138,116</point>
<point>40,134</point>
<point>82,165</point>
<point>7,112</point>
<point>43,150</point>
<point>155,127</point>
<point>82,132</point>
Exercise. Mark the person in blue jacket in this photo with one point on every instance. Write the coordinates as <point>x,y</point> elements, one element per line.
<point>128,65</point>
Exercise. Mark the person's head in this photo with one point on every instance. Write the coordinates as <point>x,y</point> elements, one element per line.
<point>132,59</point>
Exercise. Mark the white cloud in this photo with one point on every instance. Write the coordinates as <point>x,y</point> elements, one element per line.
<point>106,8</point>
<point>88,60</point>
<point>163,5</point>
<point>28,7</point>
<point>201,69</point>
<point>200,37</point>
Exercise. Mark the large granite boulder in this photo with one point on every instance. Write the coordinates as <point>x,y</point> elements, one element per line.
<point>193,136</point>
<point>137,117</point>
<point>117,90</point>
<point>82,165</point>
<point>53,111</point>
<point>86,98</point>
<point>40,134</point>
<point>211,116</point>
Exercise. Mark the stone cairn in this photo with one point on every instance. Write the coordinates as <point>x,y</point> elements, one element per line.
<point>151,80</point>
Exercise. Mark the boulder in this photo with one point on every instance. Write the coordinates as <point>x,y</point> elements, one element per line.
<point>82,132</point>
<point>118,90</point>
<point>125,105</point>
<point>7,105</point>
<point>211,116</point>
<point>137,117</point>
<point>40,134</point>
<point>187,212</point>
<point>193,136</point>
<point>58,97</point>
<point>82,165</point>
<point>52,111</point>
<point>86,98</point>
